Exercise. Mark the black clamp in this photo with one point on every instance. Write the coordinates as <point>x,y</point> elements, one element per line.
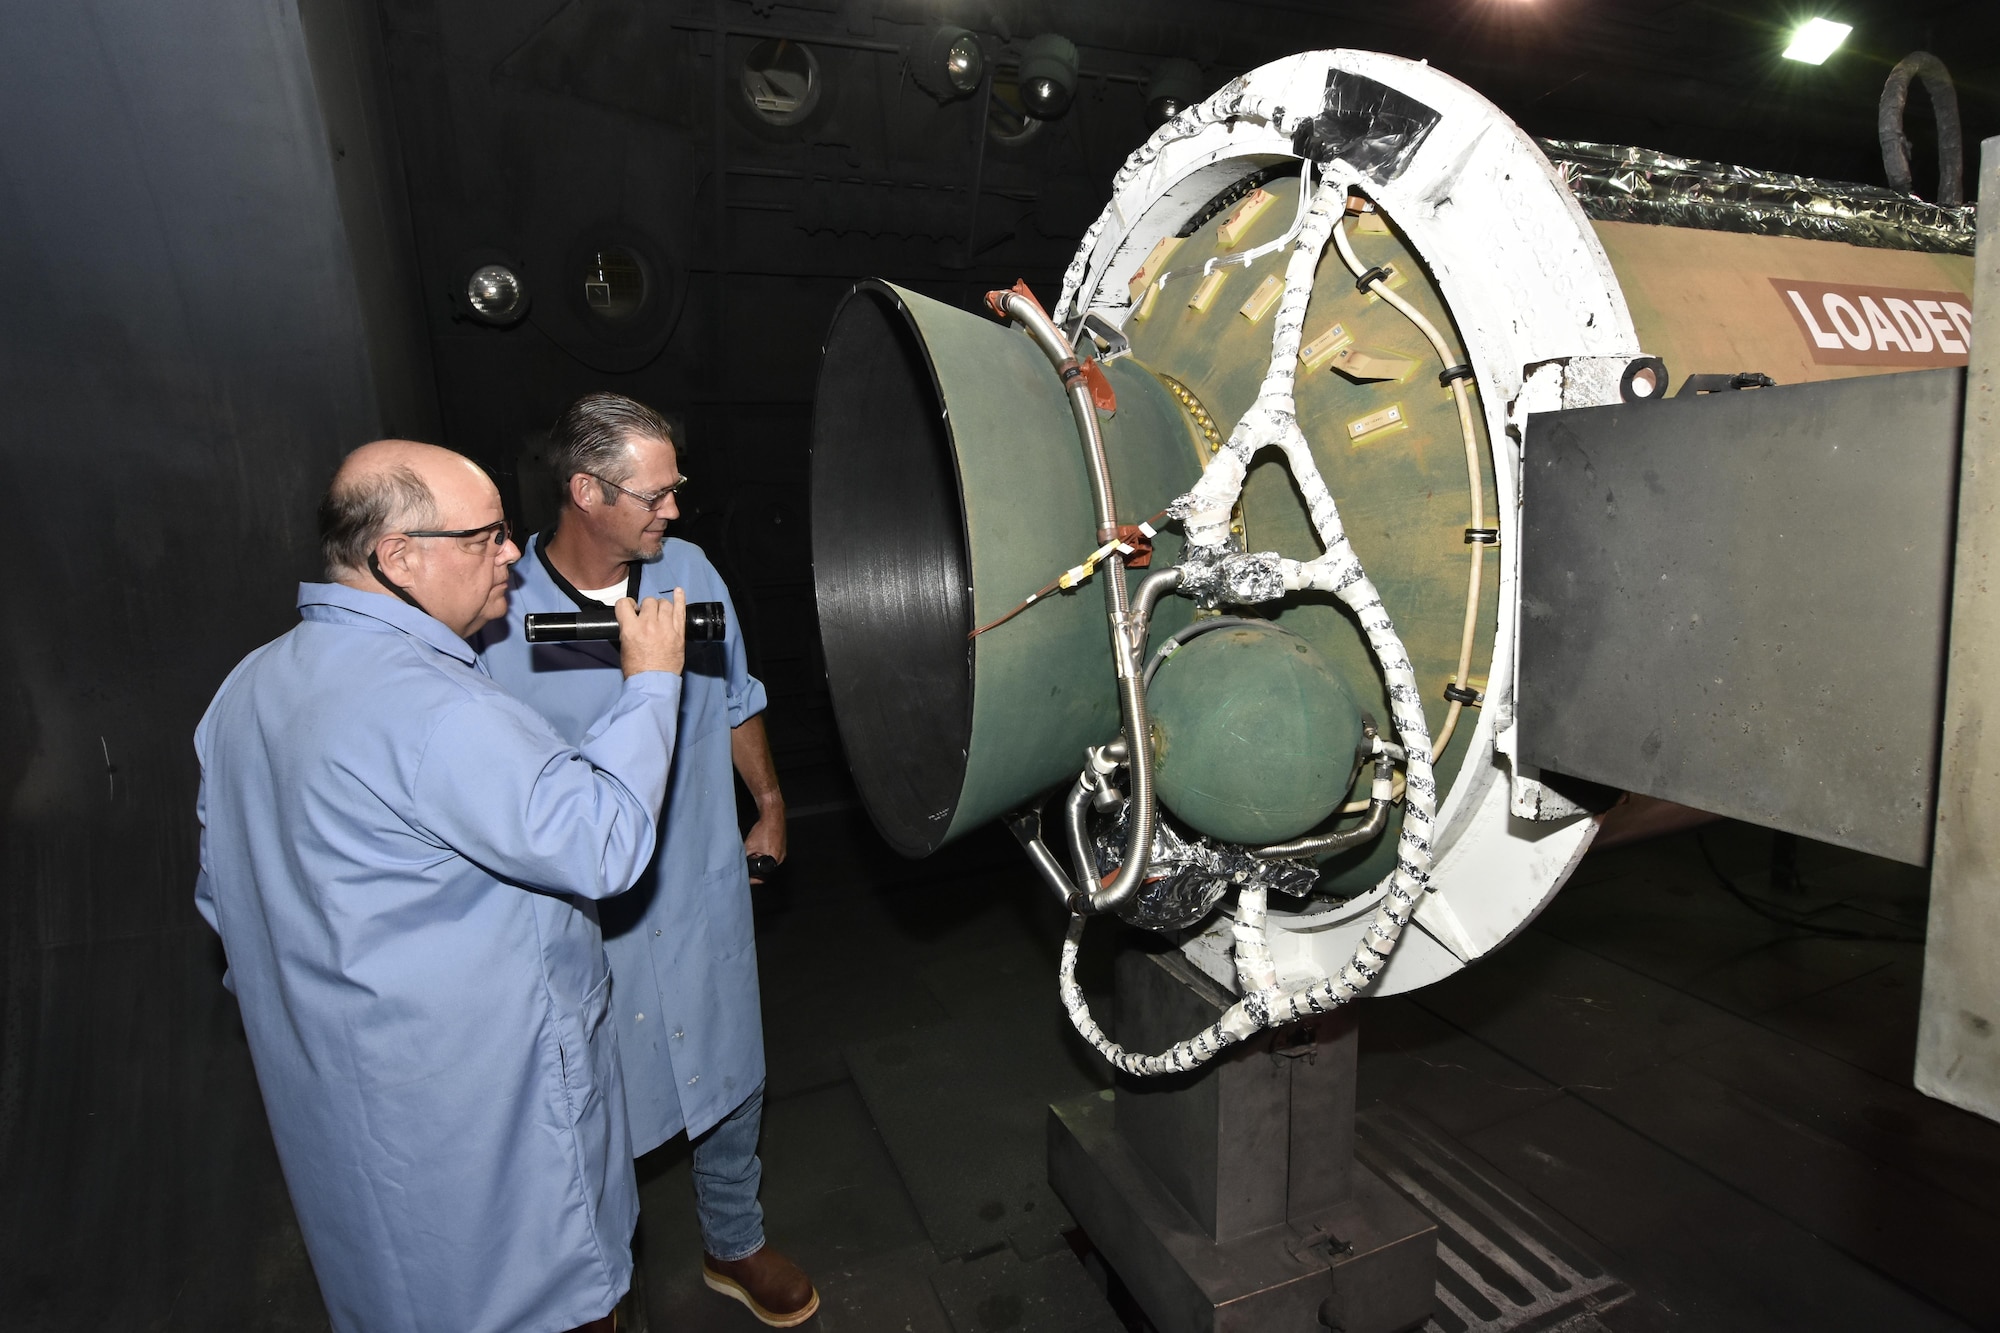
<point>1459,694</point>
<point>1747,379</point>
<point>1452,373</point>
<point>1482,536</point>
<point>1380,273</point>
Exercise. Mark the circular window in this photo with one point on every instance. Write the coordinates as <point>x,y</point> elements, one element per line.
<point>1008,123</point>
<point>614,284</point>
<point>781,81</point>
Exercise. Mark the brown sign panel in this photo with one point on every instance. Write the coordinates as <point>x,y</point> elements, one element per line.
<point>1845,324</point>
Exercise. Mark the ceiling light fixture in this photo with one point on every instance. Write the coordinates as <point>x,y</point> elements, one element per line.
<point>1048,75</point>
<point>1816,39</point>
<point>947,63</point>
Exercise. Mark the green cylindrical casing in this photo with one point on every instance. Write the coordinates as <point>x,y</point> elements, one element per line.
<point>928,415</point>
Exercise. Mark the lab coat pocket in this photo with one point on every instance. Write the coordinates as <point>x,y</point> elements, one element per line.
<point>731,955</point>
<point>585,1049</point>
<point>726,898</point>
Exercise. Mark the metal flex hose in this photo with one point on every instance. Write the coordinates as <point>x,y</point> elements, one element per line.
<point>1944,109</point>
<point>1086,896</point>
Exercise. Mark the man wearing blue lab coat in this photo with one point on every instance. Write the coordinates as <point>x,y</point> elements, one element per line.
<point>683,961</point>
<point>404,864</point>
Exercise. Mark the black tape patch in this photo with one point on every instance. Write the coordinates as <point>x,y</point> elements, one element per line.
<point>1368,125</point>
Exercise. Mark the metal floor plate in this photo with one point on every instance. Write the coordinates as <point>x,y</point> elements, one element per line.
<point>1500,1266</point>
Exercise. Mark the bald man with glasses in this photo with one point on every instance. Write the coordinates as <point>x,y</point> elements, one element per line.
<point>404,864</point>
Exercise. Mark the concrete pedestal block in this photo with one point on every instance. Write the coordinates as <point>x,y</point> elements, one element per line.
<point>1228,1200</point>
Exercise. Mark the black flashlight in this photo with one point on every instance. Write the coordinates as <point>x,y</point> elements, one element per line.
<point>705,624</point>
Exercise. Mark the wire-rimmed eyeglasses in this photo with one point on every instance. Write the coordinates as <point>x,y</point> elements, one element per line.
<point>646,501</point>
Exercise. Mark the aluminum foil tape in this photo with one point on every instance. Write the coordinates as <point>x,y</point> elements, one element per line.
<point>1617,184</point>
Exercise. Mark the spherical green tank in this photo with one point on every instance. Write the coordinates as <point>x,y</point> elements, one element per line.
<point>1254,734</point>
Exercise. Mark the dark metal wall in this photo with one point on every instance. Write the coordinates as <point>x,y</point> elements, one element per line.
<point>547,130</point>
<point>186,347</point>
<point>207,293</point>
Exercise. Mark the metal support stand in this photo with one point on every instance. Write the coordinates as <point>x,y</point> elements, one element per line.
<point>1958,1055</point>
<point>1229,1200</point>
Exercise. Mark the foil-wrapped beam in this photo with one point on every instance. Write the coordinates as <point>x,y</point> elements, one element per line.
<point>1617,184</point>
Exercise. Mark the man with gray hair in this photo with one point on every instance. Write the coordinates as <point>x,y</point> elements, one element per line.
<point>683,959</point>
<point>404,864</point>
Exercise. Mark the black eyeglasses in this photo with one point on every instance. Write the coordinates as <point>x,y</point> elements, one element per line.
<point>645,501</point>
<point>502,532</point>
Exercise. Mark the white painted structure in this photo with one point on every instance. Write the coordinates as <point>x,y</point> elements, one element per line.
<point>1545,325</point>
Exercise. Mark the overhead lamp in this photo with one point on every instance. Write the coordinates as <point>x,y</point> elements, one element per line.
<point>947,63</point>
<point>1816,39</point>
<point>1175,86</point>
<point>1048,75</point>
<point>496,295</point>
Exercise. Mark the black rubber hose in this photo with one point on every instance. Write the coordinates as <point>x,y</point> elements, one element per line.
<point>1944,105</point>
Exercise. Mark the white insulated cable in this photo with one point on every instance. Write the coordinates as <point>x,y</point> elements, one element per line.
<point>1273,421</point>
<point>1474,480</point>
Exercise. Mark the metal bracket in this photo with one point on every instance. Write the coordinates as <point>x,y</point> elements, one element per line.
<point>1319,1246</point>
<point>1110,339</point>
<point>1747,379</point>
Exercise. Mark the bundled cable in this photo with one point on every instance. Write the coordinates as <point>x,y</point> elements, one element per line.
<point>1211,568</point>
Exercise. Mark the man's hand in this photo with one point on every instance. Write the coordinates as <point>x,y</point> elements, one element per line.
<point>767,837</point>
<point>652,635</point>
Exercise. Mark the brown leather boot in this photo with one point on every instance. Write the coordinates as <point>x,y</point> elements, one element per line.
<point>777,1290</point>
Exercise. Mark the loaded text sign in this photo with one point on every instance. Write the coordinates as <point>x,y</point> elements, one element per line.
<point>1849,325</point>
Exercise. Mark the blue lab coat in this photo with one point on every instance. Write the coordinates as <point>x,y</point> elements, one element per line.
<point>683,961</point>
<point>400,858</point>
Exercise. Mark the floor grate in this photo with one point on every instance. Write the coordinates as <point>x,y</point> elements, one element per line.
<point>1500,1266</point>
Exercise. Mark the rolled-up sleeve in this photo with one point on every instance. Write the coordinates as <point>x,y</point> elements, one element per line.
<point>498,786</point>
<point>742,692</point>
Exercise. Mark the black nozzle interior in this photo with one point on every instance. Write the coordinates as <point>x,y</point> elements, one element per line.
<point>892,570</point>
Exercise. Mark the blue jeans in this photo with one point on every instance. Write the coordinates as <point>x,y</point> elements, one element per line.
<point>726,1176</point>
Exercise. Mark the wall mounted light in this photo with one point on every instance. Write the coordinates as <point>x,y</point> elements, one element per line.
<point>1816,39</point>
<point>494,294</point>
<point>947,63</point>
<point>1048,75</point>
<point>1175,86</point>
